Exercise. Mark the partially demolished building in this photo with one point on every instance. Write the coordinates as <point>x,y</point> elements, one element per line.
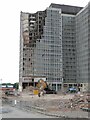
<point>48,47</point>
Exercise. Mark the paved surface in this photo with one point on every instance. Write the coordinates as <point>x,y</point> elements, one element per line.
<point>16,113</point>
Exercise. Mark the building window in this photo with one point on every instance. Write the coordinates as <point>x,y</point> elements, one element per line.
<point>24,58</point>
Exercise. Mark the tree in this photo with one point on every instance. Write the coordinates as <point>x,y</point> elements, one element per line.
<point>16,85</point>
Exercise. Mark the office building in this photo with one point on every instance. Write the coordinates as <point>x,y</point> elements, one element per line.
<point>83,47</point>
<point>49,46</point>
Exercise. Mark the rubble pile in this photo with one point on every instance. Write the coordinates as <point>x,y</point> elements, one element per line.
<point>77,102</point>
<point>52,105</point>
<point>30,89</point>
<point>81,101</point>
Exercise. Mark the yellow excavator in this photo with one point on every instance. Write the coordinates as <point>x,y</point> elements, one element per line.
<point>44,88</point>
<point>41,84</point>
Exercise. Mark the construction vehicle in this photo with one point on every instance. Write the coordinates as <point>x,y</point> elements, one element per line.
<point>72,90</point>
<point>44,88</point>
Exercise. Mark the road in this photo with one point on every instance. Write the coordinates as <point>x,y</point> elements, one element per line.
<point>17,113</point>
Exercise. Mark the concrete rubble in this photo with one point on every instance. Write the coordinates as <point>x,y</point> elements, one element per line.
<point>81,101</point>
<point>53,104</point>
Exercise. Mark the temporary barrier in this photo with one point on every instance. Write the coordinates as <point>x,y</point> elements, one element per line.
<point>35,92</point>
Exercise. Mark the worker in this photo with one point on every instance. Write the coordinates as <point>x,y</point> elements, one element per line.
<point>39,94</point>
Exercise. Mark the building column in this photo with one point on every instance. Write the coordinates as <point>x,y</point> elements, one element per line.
<point>56,87</point>
<point>20,86</point>
<point>62,88</point>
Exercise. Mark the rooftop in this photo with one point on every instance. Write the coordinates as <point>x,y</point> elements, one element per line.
<point>67,9</point>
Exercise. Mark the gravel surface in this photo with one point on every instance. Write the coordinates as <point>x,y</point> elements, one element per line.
<point>51,105</point>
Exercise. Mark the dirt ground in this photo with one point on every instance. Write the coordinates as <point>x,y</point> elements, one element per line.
<point>52,103</point>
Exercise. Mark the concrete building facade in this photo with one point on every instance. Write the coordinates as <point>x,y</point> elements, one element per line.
<point>41,54</point>
<point>83,46</point>
<point>51,44</point>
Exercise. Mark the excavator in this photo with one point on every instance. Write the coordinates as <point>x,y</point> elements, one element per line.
<point>44,88</point>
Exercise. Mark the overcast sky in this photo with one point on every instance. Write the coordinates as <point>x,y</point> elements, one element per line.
<point>10,31</point>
